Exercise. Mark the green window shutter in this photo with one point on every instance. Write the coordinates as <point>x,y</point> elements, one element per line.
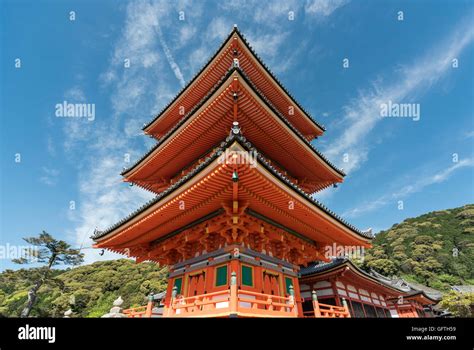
<point>221,276</point>
<point>288,283</point>
<point>177,283</point>
<point>247,276</point>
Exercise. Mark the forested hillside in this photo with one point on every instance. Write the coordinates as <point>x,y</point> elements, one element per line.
<point>436,249</point>
<point>88,290</point>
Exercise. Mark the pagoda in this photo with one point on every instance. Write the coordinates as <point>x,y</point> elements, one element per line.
<point>234,172</point>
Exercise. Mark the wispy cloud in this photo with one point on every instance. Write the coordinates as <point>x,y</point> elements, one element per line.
<point>361,115</point>
<point>275,21</point>
<point>149,40</point>
<point>169,56</point>
<point>49,176</point>
<point>136,93</point>
<point>323,7</point>
<point>416,186</point>
<point>468,134</point>
<point>50,146</point>
<point>75,94</point>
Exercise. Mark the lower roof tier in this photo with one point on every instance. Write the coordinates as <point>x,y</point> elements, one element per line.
<point>232,181</point>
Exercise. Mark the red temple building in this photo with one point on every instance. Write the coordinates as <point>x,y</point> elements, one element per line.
<point>365,294</point>
<point>233,171</point>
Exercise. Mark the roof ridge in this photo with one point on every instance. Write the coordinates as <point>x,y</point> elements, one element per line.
<point>277,80</point>
<point>259,60</point>
<point>184,88</point>
<point>183,119</point>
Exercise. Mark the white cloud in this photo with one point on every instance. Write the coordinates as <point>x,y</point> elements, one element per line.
<point>136,94</point>
<point>50,146</point>
<point>361,115</point>
<point>169,56</point>
<point>186,33</point>
<point>75,95</point>
<point>468,134</point>
<point>418,185</point>
<point>267,45</point>
<point>104,200</point>
<point>218,29</point>
<point>323,7</point>
<point>49,176</point>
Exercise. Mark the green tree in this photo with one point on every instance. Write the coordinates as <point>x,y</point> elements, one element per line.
<point>49,251</point>
<point>459,304</point>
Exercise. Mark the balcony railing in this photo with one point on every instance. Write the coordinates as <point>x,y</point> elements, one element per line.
<point>243,303</point>
<point>232,302</point>
<point>142,311</point>
<point>326,310</point>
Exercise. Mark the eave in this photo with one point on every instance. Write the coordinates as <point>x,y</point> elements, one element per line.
<point>210,74</point>
<point>202,176</point>
<point>216,120</point>
<point>420,297</point>
<point>340,267</point>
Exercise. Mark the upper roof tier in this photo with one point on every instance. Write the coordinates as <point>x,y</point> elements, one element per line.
<point>235,46</point>
<point>206,125</point>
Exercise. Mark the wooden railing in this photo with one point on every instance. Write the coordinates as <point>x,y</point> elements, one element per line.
<point>202,305</point>
<point>232,302</point>
<point>327,311</point>
<point>235,302</point>
<point>141,311</point>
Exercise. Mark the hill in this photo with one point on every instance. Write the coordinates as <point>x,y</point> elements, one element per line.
<point>89,290</point>
<point>436,249</point>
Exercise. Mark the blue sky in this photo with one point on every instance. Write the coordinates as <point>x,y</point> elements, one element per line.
<point>68,181</point>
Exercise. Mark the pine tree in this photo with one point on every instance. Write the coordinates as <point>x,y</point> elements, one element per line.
<point>49,251</point>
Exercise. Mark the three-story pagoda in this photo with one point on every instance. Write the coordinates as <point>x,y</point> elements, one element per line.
<point>233,170</point>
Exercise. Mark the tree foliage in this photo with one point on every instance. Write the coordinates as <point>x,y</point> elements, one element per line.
<point>459,305</point>
<point>436,249</point>
<point>45,249</point>
<point>88,290</point>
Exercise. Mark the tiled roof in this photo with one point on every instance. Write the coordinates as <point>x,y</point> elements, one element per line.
<point>235,30</point>
<point>412,288</point>
<point>317,268</point>
<point>246,144</point>
<point>463,289</point>
<point>322,267</point>
<point>208,95</point>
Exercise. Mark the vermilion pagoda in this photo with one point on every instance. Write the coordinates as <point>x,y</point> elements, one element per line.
<point>233,170</point>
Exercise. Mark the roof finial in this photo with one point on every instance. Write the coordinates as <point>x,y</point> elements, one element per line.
<point>235,128</point>
<point>235,26</point>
